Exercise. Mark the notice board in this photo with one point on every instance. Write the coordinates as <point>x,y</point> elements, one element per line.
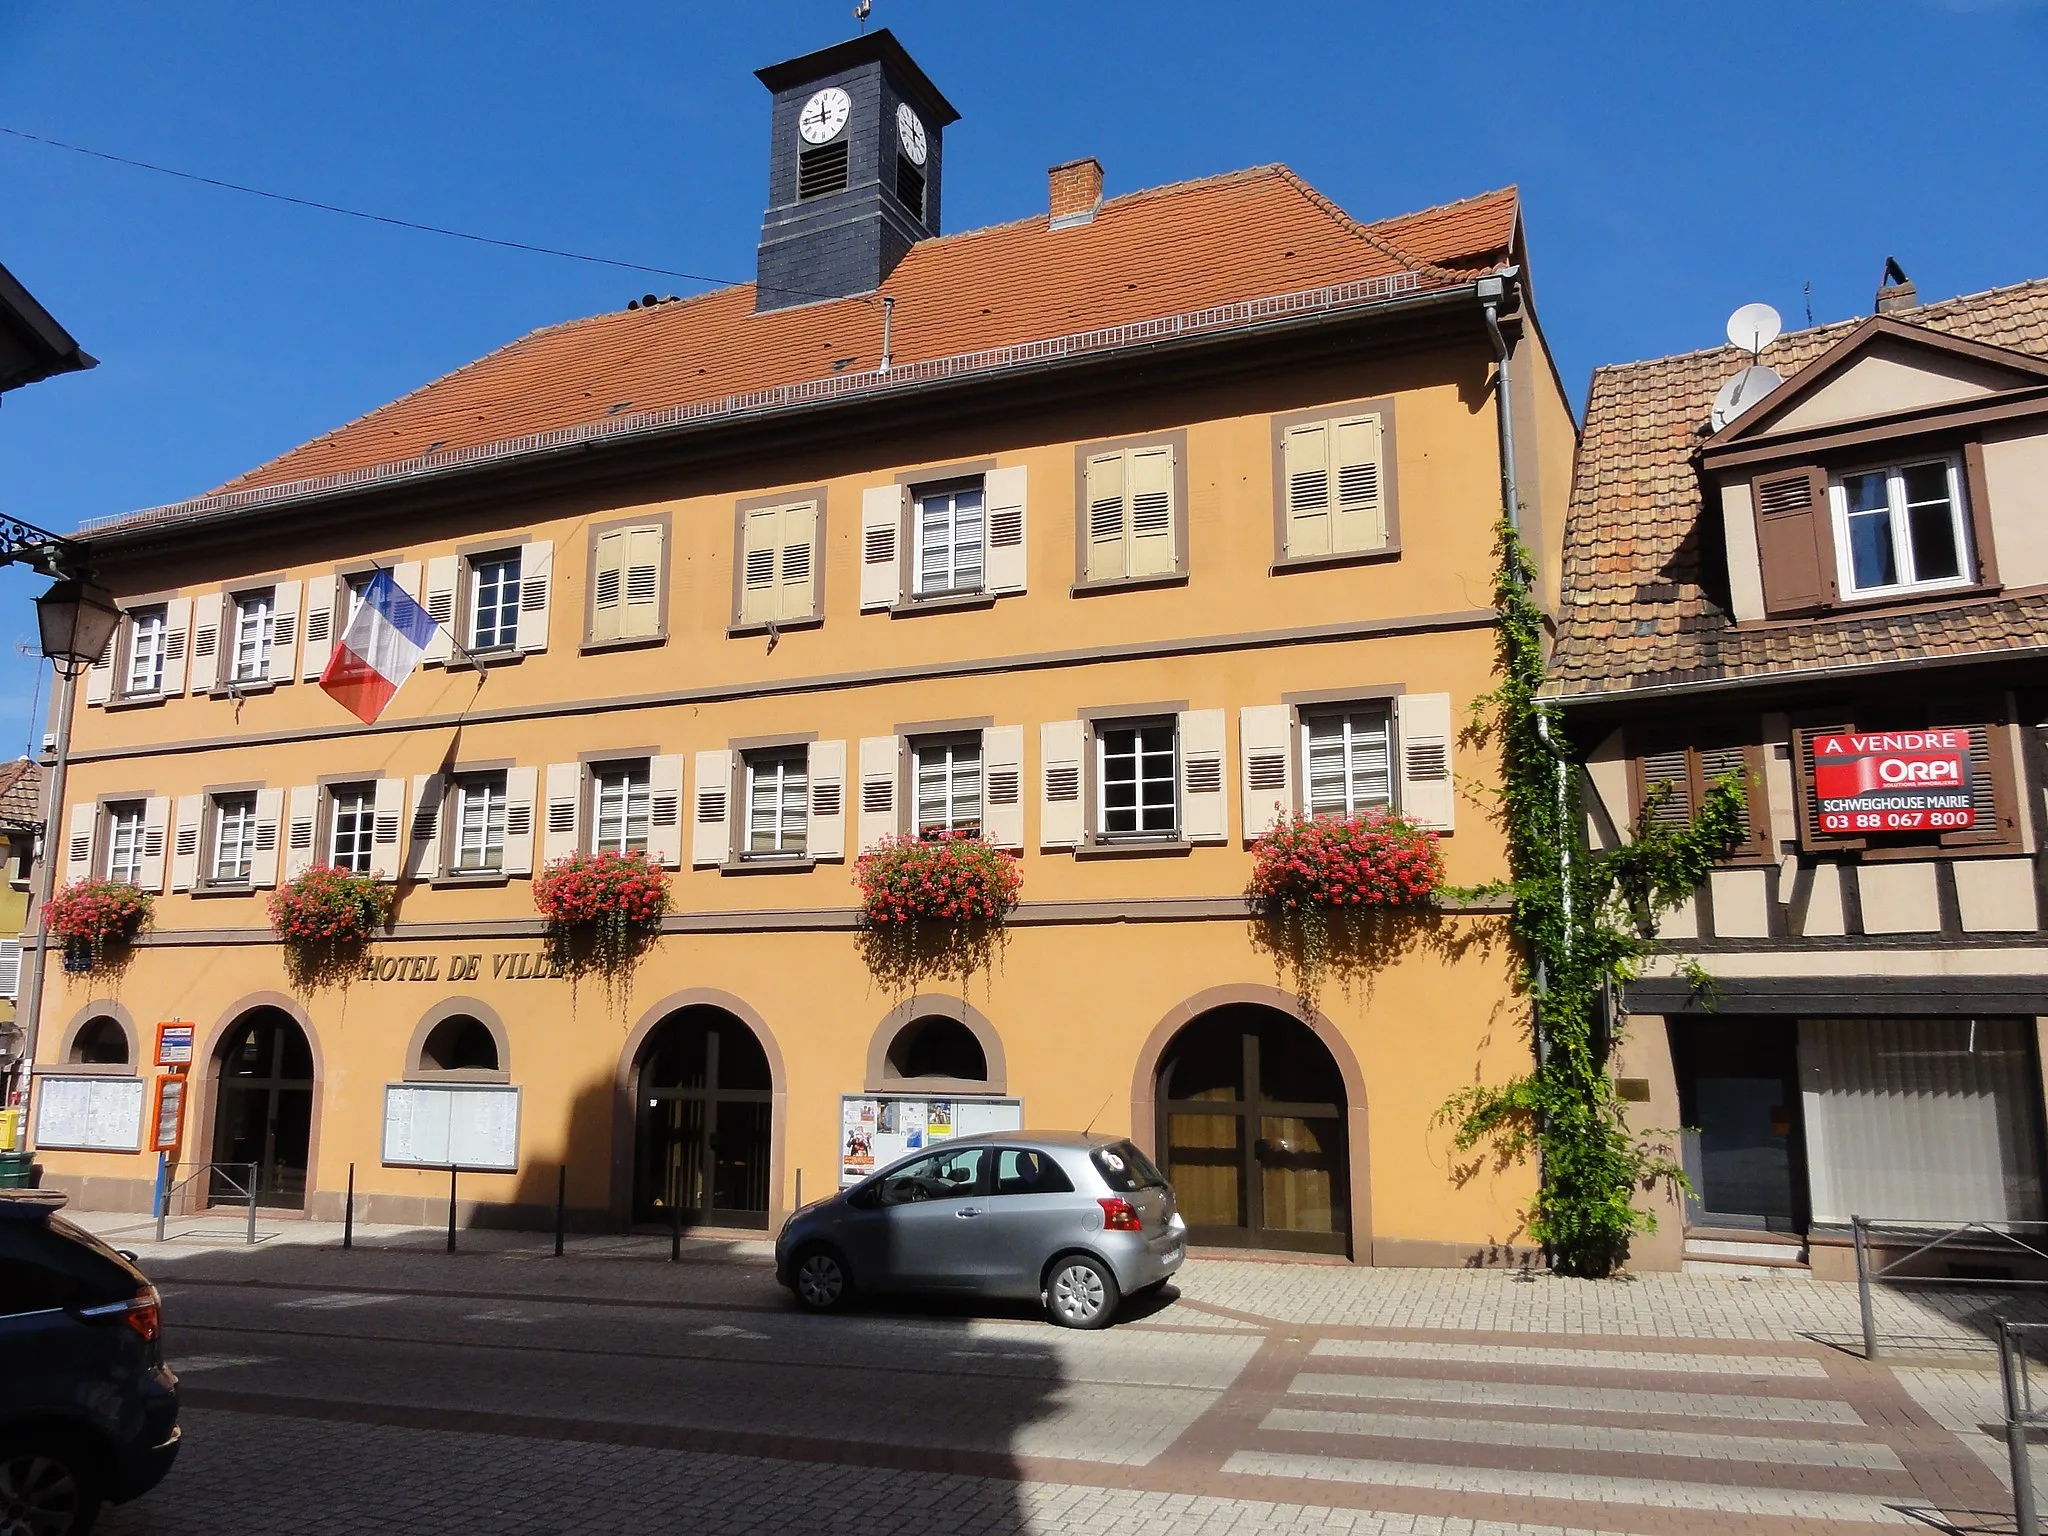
<point>89,1114</point>
<point>877,1128</point>
<point>466,1125</point>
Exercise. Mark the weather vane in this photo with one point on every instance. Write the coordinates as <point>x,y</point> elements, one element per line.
<point>860,14</point>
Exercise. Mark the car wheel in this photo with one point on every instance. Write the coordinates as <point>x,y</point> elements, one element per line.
<point>822,1283</point>
<point>48,1487</point>
<point>1080,1292</point>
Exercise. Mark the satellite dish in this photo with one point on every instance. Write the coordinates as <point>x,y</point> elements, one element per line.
<point>1744,390</point>
<point>1754,327</point>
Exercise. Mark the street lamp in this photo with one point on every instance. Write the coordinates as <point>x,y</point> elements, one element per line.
<point>77,620</point>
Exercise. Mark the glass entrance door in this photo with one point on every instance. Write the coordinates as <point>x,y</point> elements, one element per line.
<point>704,1124</point>
<point>1739,1091</point>
<point>263,1113</point>
<point>1252,1125</point>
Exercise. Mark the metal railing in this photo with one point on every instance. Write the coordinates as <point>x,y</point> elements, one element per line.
<point>2022,1413</point>
<point>219,1173</point>
<point>1943,1240</point>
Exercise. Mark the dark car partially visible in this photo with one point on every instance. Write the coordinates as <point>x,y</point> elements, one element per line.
<point>88,1411</point>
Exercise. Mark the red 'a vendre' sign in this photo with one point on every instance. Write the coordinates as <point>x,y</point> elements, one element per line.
<point>1893,781</point>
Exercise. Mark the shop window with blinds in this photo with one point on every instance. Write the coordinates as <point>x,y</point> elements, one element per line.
<point>351,826</point>
<point>1333,486</point>
<point>234,839</point>
<point>249,660</point>
<point>625,584</point>
<point>1135,775</point>
<point>124,841</point>
<point>479,825</point>
<point>947,773</point>
<point>1132,517</point>
<point>1921,1119</point>
<point>1991,788</point>
<point>947,522</point>
<point>1673,775</point>
<point>778,564</point>
<point>145,670</point>
<point>1347,761</point>
<point>621,798</point>
<point>778,806</point>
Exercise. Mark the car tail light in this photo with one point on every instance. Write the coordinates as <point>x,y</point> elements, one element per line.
<point>145,1315</point>
<point>1119,1215</point>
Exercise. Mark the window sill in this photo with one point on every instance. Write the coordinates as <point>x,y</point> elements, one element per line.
<point>629,643</point>
<point>459,1075</point>
<point>208,888</point>
<point>942,602</point>
<point>1128,584</point>
<point>232,690</point>
<point>136,700</point>
<point>486,661</point>
<point>85,1069</point>
<point>487,877</point>
<point>1136,848</point>
<point>1287,563</point>
<point>798,865</point>
<point>1859,851</point>
<point>737,631</point>
<point>1896,602</point>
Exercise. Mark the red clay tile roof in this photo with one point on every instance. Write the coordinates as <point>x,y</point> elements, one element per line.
<point>21,794</point>
<point>1635,613</point>
<point>1171,250</point>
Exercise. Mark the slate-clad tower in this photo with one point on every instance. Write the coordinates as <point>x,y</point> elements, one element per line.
<point>854,167</point>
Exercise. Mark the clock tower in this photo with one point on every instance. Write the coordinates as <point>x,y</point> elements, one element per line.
<point>853,169</point>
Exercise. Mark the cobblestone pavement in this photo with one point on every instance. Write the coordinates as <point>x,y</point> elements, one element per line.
<point>398,1388</point>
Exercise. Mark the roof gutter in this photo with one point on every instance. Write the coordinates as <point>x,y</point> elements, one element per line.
<point>1288,314</point>
<point>1849,670</point>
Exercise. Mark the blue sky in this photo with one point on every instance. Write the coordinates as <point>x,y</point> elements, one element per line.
<point>1675,161</point>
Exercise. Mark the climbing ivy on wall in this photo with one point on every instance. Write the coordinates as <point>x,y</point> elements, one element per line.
<point>1584,923</point>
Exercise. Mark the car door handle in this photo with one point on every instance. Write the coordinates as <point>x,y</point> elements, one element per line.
<point>968,1210</point>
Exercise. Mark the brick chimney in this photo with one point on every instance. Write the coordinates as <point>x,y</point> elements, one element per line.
<point>1076,192</point>
<point>1895,290</point>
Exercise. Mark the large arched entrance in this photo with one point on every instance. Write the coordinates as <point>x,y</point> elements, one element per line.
<point>1252,1131</point>
<point>263,1110</point>
<point>703,1123</point>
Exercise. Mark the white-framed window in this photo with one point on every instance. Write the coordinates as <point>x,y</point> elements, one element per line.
<point>1134,775</point>
<point>949,539</point>
<point>1347,761</point>
<point>1901,528</point>
<point>619,801</point>
<point>948,783</point>
<point>124,842</point>
<point>145,652</point>
<point>352,826</point>
<point>494,602</point>
<point>778,807</point>
<point>252,636</point>
<point>480,824</point>
<point>353,588</point>
<point>234,837</point>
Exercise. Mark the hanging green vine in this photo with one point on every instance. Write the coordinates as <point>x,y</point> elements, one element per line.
<point>1584,923</point>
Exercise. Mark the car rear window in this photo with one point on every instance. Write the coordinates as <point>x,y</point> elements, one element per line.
<point>1124,1168</point>
<point>55,1264</point>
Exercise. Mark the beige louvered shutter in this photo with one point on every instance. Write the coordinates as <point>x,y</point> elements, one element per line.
<point>760,532</point>
<point>608,586</point>
<point>405,576</point>
<point>316,644</point>
<point>389,814</point>
<point>641,619</point>
<point>269,829</point>
<point>826,837</point>
<point>1305,455</point>
<point>185,842</point>
<point>1151,539</point>
<point>1672,766</point>
<point>206,616</point>
<point>796,562</point>
<point>1108,521</point>
<point>444,574</point>
<point>177,640</point>
<point>1428,792</point>
<point>711,823</point>
<point>1007,567</point>
<point>665,810</point>
<point>284,631</point>
<point>1360,519</point>
<point>880,757</point>
<point>1204,814</point>
<point>1002,786</point>
<point>99,677</point>
<point>1266,751</point>
<point>522,789</point>
<point>1062,816</point>
<point>536,588</point>
<point>423,841</point>
<point>560,832</point>
<point>85,817</point>
<point>881,563</point>
<point>156,832</point>
<point>301,821</point>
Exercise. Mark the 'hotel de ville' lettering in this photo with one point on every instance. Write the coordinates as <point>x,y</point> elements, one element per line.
<point>506,965</point>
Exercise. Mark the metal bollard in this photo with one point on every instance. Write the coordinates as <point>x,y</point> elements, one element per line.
<point>348,1211</point>
<point>451,1207</point>
<point>561,1204</point>
<point>1863,1290</point>
<point>2024,1520</point>
<point>163,1196</point>
<point>255,1173</point>
<point>675,1232</point>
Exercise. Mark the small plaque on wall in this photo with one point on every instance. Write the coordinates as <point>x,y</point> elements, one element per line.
<point>1632,1090</point>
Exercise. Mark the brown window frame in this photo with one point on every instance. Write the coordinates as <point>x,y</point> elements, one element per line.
<point>1698,743</point>
<point>2006,839</point>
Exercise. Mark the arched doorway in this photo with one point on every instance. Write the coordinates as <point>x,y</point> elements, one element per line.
<point>1252,1132</point>
<point>703,1123</point>
<point>263,1109</point>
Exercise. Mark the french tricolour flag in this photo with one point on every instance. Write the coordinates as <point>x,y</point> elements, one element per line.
<point>382,645</point>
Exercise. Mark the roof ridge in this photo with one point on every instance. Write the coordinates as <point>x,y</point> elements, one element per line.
<point>1380,243</point>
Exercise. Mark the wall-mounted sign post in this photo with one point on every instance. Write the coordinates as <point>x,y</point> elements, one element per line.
<point>1893,781</point>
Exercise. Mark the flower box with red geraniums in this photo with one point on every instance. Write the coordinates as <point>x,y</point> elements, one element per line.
<point>955,879</point>
<point>331,908</point>
<point>602,902</point>
<point>94,916</point>
<point>1331,864</point>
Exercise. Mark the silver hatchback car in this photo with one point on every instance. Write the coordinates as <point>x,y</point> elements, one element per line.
<point>1074,1221</point>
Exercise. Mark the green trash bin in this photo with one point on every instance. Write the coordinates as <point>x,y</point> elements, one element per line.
<point>17,1170</point>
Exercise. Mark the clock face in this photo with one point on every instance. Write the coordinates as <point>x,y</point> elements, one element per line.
<point>911,133</point>
<point>824,115</point>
